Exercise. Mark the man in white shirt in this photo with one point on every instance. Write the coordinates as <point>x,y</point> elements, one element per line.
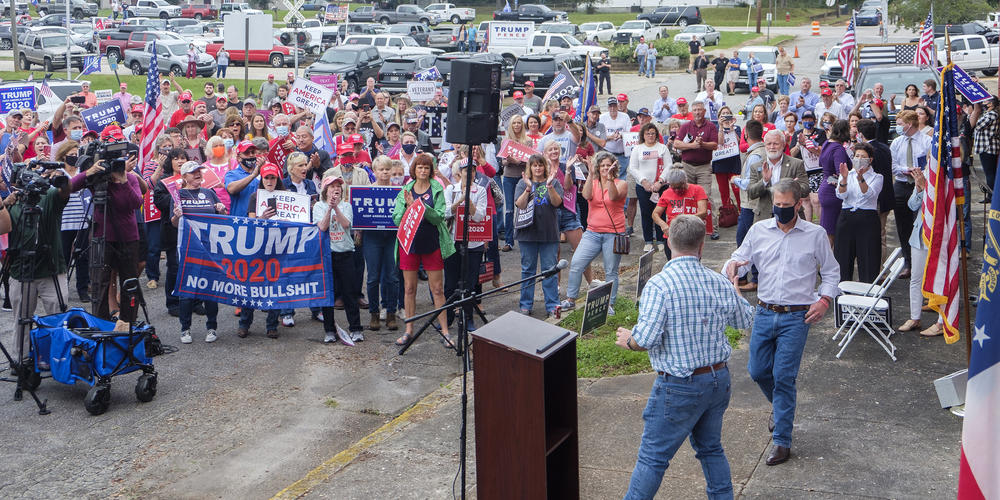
<point>909,150</point>
<point>616,123</point>
<point>844,97</point>
<point>714,101</point>
<point>382,112</point>
<point>827,104</point>
<point>787,251</point>
<point>665,106</point>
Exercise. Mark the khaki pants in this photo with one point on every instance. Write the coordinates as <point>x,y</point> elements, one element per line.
<point>702,176</point>
<point>43,290</point>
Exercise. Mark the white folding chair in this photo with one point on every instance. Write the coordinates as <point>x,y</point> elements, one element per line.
<point>862,288</point>
<point>866,312</point>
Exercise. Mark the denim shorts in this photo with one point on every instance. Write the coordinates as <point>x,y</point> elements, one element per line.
<point>568,221</point>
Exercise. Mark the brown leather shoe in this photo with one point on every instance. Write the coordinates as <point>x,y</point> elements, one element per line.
<point>375,324</point>
<point>390,321</point>
<point>932,331</point>
<point>242,333</point>
<point>778,455</point>
<point>905,275</point>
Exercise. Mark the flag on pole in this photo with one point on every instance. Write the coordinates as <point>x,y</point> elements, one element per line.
<point>506,7</point>
<point>980,460</point>
<point>152,114</point>
<point>848,46</point>
<point>588,93</point>
<point>322,137</point>
<point>91,64</point>
<point>925,46</point>
<point>45,90</point>
<point>428,75</point>
<point>563,81</point>
<point>945,190</point>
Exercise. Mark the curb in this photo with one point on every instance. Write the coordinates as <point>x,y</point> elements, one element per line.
<point>338,462</point>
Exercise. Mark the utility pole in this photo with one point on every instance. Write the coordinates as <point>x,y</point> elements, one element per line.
<point>759,12</point>
<point>13,34</point>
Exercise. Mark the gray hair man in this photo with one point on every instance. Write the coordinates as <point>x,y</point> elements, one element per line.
<point>787,251</point>
<point>775,167</point>
<point>683,314</point>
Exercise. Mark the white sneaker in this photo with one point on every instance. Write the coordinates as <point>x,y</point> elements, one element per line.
<point>330,338</point>
<point>596,282</point>
<point>288,321</point>
<point>186,337</point>
<point>357,337</point>
<point>647,247</point>
<point>611,310</point>
<point>381,315</point>
<point>210,336</point>
<point>151,284</point>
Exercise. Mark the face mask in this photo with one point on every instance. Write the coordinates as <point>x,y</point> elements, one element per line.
<point>783,214</point>
<point>76,135</point>
<point>396,180</point>
<point>808,125</point>
<point>774,155</point>
<point>899,130</point>
<point>409,148</point>
<point>827,125</point>
<point>249,163</point>
<point>218,151</point>
<point>861,162</point>
<point>71,160</point>
<point>228,143</point>
<point>282,130</point>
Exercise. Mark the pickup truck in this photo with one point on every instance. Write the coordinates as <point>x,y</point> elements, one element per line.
<point>362,15</point>
<point>154,8</point>
<point>531,12</point>
<point>171,58</point>
<point>389,45</point>
<point>21,7</point>
<point>78,8</point>
<point>203,11</point>
<point>115,43</point>
<point>454,14</point>
<point>631,31</point>
<point>278,56</point>
<point>971,53</point>
<point>228,8</point>
<point>49,51</point>
<point>404,14</point>
<point>681,16</point>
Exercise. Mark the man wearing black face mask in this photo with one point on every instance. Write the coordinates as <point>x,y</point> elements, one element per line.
<point>787,251</point>
<point>243,181</point>
<point>775,167</point>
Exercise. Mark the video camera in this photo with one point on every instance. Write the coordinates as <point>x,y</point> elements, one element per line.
<point>27,179</point>
<point>114,154</point>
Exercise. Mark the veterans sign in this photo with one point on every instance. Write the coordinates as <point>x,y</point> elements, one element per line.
<point>310,95</point>
<point>263,264</point>
<point>12,98</point>
<point>102,115</point>
<point>372,206</point>
<point>420,90</point>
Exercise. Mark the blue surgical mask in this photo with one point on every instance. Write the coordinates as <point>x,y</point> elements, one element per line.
<point>282,130</point>
<point>228,143</point>
<point>409,148</point>
<point>808,125</point>
<point>76,135</point>
<point>783,214</point>
<point>899,129</point>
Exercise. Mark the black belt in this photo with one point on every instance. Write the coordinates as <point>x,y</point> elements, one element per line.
<point>705,369</point>
<point>782,309</point>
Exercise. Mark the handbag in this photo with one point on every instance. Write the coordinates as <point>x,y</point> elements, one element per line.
<point>622,244</point>
<point>728,215</point>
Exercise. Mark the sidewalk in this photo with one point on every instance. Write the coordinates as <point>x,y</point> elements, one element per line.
<point>865,428</point>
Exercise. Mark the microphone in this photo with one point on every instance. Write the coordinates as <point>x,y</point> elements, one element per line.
<point>562,264</point>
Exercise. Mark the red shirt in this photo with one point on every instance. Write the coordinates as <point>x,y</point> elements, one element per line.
<point>178,117</point>
<point>688,116</point>
<point>677,204</point>
<point>743,136</point>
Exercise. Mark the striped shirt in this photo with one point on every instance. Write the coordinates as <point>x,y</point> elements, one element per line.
<point>74,216</point>
<point>683,314</point>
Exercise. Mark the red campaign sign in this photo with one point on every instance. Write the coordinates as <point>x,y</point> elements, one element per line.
<point>515,151</point>
<point>409,224</point>
<point>173,185</point>
<point>149,211</point>
<point>210,178</point>
<point>478,231</point>
<point>277,153</point>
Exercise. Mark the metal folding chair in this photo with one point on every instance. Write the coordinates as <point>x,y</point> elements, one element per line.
<point>866,289</point>
<point>865,312</point>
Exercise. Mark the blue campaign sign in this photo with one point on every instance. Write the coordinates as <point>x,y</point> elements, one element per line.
<point>258,263</point>
<point>972,90</point>
<point>373,205</point>
<point>102,115</point>
<point>12,98</point>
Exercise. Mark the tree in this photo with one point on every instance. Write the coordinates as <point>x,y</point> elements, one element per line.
<point>912,13</point>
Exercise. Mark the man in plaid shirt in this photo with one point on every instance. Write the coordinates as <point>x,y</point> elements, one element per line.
<point>683,314</point>
<point>986,137</point>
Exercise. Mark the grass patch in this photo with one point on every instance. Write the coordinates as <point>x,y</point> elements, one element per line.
<point>330,403</point>
<point>137,84</point>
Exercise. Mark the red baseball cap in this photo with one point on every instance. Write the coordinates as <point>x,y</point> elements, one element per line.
<point>185,96</point>
<point>345,149</point>
<point>270,169</point>
<point>291,74</point>
<point>823,83</point>
<point>622,97</point>
<point>112,132</point>
<point>288,108</point>
<point>137,108</point>
<point>529,83</point>
<point>827,91</point>
<point>244,145</point>
<point>518,94</point>
<point>681,100</point>
<point>355,139</point>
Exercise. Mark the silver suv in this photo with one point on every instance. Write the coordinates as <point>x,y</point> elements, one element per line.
<point>49,51</point>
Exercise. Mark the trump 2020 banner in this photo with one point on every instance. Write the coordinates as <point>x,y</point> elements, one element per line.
<point>259,263</point>
<point>373,207</point>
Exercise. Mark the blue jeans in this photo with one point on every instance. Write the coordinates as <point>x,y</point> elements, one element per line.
<point>246,318</point>
<point>509,183</point>
<point>650,66</point>
<point>379,248</point>
<point>751,80</point>
<point>678,408</point>
<point>641,60</point>
<point>153,252</point>
<point>534,253</point>
<point>782,84</point>
<point>743,224</point>
<point>211,313</point>
<point>461,46</point>
<point>220,70</point>
<point>591,245</point>
<point>775,353</point>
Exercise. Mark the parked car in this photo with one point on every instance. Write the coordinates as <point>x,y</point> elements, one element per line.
<point>171,58</point>
<point>971,53</point>
<point>444,61</point>
<point>406,14</point>
<point>868,17</point>
<point>531,12</point>
<point>154,8</point>
<point>680,16</point>
<point>49,51</point>
<point>894,78</point>
<point>365,14</point>
<point>391,45</point>
<point>831,71</point>
<point>561,27</point>
<point>353,64</point>
<point>558,43</point>
<point>199,11</point>
<point>973,28</point>
<point>77,39</point>
<point>20,7</point>
<point>114,43</point>
<point>79,9</point>
<point>767,56</point>
<point>313,5</point>
<point>992,20</point>
<point>277,56</point>
<point>543,68</point>
<point>418,31</point>
<point>704,33</point>
<point>396,71</point>
<point>631,31</point>
<point>345,29</point>
<point>444,38</point>
<point>448,11</point>
<point>598,32</point>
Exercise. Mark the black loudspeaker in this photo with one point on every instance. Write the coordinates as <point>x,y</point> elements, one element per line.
<point>473,102</point>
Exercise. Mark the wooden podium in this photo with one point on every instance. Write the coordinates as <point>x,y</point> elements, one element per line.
<point>525,403</point>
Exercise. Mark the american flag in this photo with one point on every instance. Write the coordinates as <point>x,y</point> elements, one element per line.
<point>45,90</point>
<point>564,81</point>
<point>152,114</point>
<point>945,190</point>
<point>847,47</point>
<point>925,46</point>
<point>878,54</point>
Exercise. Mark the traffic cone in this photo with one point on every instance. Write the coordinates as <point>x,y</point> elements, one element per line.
<point>796,52</point>
<point>824,53</point>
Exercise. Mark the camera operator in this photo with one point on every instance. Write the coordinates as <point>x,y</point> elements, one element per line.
<point>121,232</point>
<point>45,240</point>
<point>75,224</point>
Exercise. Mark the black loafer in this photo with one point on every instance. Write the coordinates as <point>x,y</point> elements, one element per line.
<point>779,454</point>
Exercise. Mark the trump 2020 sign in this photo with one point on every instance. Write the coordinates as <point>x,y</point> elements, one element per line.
<point>258,263</point>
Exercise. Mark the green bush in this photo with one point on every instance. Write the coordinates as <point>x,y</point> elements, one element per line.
<point>664,47</point>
